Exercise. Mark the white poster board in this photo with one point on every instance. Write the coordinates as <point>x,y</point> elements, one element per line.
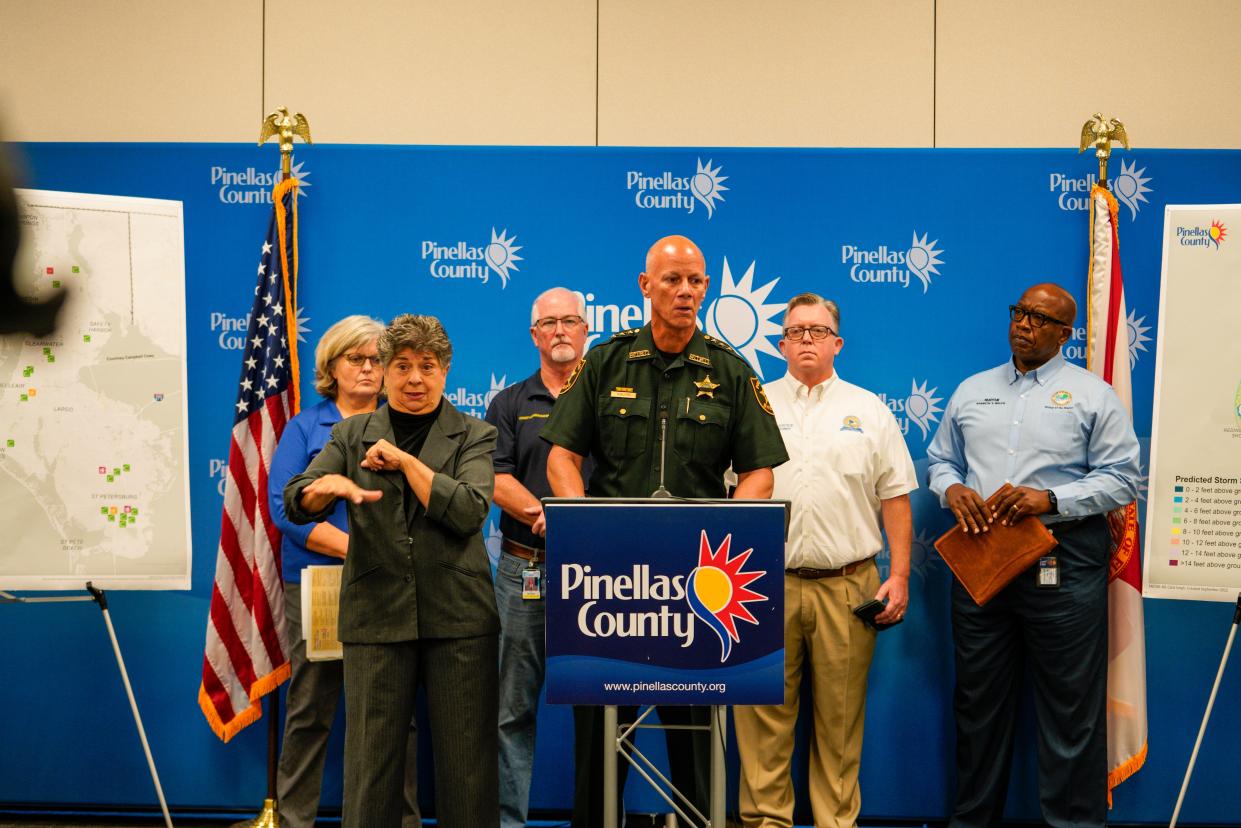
<point>1193,511</point>
<point>94,456</point>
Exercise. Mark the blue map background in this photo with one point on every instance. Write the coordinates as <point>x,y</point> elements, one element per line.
<point>996,221</point>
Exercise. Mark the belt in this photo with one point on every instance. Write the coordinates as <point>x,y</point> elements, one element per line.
<point>527,553</point>
<point>814,574</point>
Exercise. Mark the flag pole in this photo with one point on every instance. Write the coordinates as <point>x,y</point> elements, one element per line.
<point>280,123</point>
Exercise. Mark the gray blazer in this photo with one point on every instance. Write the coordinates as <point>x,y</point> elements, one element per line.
<point>430,579</point>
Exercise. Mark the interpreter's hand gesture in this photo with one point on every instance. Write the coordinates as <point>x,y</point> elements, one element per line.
<point>318,494</point>
<point>383,456</point>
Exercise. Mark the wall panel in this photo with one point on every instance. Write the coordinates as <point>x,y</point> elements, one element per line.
<point>130,70</point>
<point>384,71</point>
<point>805,73</point>
<point>1029,74</point>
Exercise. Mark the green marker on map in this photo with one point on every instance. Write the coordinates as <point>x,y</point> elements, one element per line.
<point>86,337</point>
<point>125,466</point>
<point>75,268</point>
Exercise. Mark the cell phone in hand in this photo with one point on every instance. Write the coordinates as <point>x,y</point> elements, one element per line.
<point>869,610</point>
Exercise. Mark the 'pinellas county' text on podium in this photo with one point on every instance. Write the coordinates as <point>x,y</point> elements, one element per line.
<point>664,601</point>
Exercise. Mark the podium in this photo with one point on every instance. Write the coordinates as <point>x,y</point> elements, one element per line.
<point>664,601</point>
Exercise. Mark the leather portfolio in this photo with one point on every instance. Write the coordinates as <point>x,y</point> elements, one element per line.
<point>985,563</point>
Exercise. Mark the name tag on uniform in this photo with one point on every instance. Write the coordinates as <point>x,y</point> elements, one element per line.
<point>1048,572</point>
<point>624,393</point>
<point>531,584</point>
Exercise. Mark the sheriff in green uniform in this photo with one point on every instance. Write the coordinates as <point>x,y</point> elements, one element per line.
<point>664,388</point>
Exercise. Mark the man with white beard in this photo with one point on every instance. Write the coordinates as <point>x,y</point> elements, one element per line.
<point>558,328</point>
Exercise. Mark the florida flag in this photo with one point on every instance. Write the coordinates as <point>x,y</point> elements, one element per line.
<point>1107,356</point>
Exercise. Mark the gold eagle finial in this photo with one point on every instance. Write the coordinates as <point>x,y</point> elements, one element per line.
<point>286,126</point>
<point>1100,132</point>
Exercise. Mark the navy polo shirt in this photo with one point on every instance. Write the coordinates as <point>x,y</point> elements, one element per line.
<point>519,412</point>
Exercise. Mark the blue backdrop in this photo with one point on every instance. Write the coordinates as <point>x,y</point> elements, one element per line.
<point>922,249</point>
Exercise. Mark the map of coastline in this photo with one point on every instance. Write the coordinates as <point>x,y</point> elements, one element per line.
<point>93,479</point>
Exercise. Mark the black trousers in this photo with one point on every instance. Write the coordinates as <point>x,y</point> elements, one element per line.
<point>1059,637</point>
<point>689,758</point>
<point>381,680</point>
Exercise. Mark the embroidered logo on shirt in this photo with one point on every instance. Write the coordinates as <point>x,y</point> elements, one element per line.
<point>761,396</point>
<point>577,372</point>
<point>852,423</point>
<point>1062,398</point>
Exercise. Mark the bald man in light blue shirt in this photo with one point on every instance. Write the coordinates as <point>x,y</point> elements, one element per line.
<point>1062,438</point>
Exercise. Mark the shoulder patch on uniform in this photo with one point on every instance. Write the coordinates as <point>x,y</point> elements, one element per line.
<point>625,334</point>
<point>719,343</point>
<point>577,372</point>
<point>761,396</point>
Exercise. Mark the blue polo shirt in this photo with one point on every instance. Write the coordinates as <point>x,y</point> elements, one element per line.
<point>519,413</point>
<point>304,436</point>
<point>1055,427</point>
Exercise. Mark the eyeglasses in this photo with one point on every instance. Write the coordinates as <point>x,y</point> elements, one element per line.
<point>548,323</point>
<point>798,332</point>
<point>356,360</point>
<point>1037,320</point>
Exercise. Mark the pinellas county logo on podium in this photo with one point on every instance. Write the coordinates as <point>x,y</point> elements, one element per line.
<point>665,602</point>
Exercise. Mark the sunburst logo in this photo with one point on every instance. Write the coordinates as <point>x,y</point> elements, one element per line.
<point>922,258</point>
<point>297,171</point>
<point>299,324</point>
<point>502,255</point>
<point>742,317</point>
<point>1218,233</point>
<point>492,540</point>
<point>496,387</point>
<point>1137,335</point>
<point>707,185</point>
<point>1130,187</point>
<point>718,590</point>
<point>921,406</point>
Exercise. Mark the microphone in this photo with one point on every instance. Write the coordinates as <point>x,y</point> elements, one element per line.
<point>662,491</point>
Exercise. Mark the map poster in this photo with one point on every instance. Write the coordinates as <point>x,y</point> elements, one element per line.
<point>1193,514</point>
<point>93,439</point>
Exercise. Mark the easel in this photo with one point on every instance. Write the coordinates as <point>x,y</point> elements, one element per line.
<point>1206,717</point>
<point>97,595</point>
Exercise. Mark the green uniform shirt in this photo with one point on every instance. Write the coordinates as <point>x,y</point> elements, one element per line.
<point>612,406</point>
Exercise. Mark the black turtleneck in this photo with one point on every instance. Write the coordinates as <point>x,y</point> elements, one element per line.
<point>411,432</point>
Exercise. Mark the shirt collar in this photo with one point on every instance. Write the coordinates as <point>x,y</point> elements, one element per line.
<point>804,392</point>
<point>643,347</point>
<point>1042,374</point>
<point>535,387</point>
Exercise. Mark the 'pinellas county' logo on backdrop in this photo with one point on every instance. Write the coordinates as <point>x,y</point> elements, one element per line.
<point>462,260</point>
<point>1208,237</point>
<point>251,186</point>
<point>884,265</point>
<point>920,408</point>
<point>666,191</point>
<point>1135,326</point>
<point>474,402</point>
<point>1129,187</point>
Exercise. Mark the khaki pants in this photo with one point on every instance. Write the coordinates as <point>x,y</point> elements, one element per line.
<point>821,635</point>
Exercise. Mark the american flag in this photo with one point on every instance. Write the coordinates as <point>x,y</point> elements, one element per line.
<point>246,656</point>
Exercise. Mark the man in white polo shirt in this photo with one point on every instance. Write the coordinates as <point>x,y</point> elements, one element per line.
<point>849,474</point>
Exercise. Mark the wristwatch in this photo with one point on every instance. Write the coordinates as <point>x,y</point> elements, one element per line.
<point>1055,504</point>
